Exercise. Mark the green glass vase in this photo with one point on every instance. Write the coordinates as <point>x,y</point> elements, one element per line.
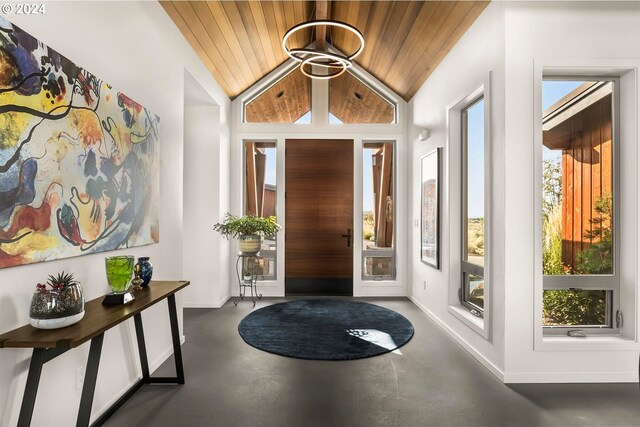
<point>119,270</point>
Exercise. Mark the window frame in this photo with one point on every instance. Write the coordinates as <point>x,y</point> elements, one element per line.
<point>592,282</point>
<point>467,268</point>
<point>390,253</point>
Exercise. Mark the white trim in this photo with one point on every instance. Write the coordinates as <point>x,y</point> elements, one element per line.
<point>570,377</point>
<point>495,370</point>
<point>199,304</point>
<point>477,324</point>
<point>453,155</point>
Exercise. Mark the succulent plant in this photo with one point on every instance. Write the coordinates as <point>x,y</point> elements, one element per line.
<point>61,280</point>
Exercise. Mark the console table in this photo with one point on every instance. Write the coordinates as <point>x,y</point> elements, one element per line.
<point>47,344</point>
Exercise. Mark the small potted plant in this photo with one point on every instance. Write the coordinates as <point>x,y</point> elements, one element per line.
<point>57,304</point>
<point>248,229</point>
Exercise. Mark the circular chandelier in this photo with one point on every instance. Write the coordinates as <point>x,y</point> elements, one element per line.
<point>337,63</point>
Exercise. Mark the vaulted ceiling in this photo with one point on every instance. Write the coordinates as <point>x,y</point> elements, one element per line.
<point>240,41</point>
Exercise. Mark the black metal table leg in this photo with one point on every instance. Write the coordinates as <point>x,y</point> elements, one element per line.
<point>238,275</point>
<point>91,375</point>
<point>31,389</point>
<point>175,335</point>
<point>142,348</point>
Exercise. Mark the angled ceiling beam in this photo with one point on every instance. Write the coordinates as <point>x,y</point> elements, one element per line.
<point>322,12</point>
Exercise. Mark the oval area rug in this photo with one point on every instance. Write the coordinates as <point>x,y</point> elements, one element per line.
<point>325,329</point>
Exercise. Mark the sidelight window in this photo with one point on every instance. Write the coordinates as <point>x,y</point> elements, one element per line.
<point>260,197</point>
<point>378,254</point>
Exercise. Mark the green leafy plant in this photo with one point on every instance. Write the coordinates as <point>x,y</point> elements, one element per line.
<point>574,307</point>
<point>61,280</point>
<point>551,185</point>
<point>57,282</point>
<point>552,243</point>
<point>233,226</point>
<point>598,257</point>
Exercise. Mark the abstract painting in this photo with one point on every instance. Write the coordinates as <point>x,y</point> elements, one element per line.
<point>430,209</point>
<point>79,161</point>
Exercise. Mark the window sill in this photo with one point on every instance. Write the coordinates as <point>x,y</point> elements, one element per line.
<point>589,343</point>
<point>477,324</point>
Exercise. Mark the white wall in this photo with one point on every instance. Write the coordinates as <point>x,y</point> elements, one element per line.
<point>515,40</point>
<point>205,252</point>
<point>594,34</point>
<point>135,47</point>
<point>466,68</point>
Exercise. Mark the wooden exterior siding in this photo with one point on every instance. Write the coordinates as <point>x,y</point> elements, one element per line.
<point>383,195</point>
<point>259,201</point>
<point>587,174</point>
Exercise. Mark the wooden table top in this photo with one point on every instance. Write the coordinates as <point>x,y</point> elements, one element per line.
<point>97,319</point>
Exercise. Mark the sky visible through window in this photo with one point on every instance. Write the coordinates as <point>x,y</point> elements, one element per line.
<point>475,160</point>
<point>367,180</point>
<point>270,173</point>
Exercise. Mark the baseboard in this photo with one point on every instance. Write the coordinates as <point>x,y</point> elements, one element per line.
<point>497,372</point>
<point>200,304</point>
<point>379,291</point>
<point>571,377</point>
<point>155,364</point>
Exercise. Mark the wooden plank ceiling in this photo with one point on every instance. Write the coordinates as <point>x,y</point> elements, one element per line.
<point>240,41</point>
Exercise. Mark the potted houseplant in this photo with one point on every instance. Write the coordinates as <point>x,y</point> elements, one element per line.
<point>58,303</point>
<point>248,229</point>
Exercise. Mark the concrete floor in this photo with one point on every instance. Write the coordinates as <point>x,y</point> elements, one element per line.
<point>433,383</point>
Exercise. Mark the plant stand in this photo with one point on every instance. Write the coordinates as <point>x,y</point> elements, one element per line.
<point>251,281</point>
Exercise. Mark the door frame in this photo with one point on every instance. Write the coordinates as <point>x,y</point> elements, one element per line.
<point>361,287</point>
<point>319,285</point>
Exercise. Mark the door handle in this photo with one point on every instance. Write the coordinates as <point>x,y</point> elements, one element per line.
<point>348,236</point>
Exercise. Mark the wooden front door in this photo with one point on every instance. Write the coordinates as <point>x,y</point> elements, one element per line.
<point>319,217</point>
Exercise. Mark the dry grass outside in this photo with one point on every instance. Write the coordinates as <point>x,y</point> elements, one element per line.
<point>475,238</point>
<point>368,226</point>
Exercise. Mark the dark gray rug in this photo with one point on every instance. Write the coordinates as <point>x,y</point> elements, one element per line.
<point>325,329</point>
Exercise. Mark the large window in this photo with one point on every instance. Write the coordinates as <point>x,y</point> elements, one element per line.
<point>579,204</point>
<point>260,197</point>
<point>378,211</point>
<point>473,209</point>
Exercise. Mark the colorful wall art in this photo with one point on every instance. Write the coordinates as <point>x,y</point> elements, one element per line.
<point>79,161</point>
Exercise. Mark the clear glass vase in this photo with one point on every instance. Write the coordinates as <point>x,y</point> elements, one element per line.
<point>56,308</point>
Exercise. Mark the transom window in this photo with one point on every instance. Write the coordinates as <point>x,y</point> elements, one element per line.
<point>286,101</point>
<point>352,101</point>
